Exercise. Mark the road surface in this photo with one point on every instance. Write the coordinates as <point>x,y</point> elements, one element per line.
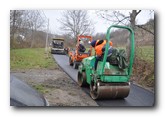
<point>137,96</point>
<point>22,94</point>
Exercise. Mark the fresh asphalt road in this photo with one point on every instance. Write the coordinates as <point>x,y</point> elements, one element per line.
<point>137,96</point>
<point>22,94</point>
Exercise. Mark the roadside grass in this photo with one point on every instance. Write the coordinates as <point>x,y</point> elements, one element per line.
<point>41,88</point>
<point>145,65</point>
<point>31,58</point>
<point>146,53</point>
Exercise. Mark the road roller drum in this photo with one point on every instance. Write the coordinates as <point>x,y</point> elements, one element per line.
<point>109,90</point>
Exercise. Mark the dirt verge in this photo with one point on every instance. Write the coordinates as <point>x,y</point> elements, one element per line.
<point>56,86</point>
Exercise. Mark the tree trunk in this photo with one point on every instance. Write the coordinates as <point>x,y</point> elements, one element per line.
<point>132,19</point>
<point>133,16</point>
<point>13,30</point>
<point>31,46</point>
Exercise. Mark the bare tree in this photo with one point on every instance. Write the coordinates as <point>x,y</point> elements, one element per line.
<point>76,22</point>
<point>26,23</point>
<point>36,23</point>
<point>99,36</point>
<point>15,23</point>
<point>118,17</point>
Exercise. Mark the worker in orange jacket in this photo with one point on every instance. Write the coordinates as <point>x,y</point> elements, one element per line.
<point>99,46</point>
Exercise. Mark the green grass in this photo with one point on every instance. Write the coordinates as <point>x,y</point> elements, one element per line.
<point>31,58</point>
<point>146,53</point>
<point>41,88</point>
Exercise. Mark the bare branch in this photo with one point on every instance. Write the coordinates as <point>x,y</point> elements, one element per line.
<point>115,17</point>
<point>138,12</point>
<point>140,26</point>
<point>75,22</point>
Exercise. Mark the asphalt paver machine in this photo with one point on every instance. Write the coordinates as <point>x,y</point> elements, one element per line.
<point>57,46</point>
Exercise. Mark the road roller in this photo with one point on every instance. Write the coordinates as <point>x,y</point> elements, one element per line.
<point>110,80</point>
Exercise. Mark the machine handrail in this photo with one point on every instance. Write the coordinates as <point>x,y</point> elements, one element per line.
<point>132,47</point>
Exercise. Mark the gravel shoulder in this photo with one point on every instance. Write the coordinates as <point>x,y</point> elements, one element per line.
<point>56,86</point>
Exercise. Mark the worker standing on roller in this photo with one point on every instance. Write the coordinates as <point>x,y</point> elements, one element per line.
<point>99,46</point>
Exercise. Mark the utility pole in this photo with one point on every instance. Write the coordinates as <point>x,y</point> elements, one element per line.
<point>46,48</point>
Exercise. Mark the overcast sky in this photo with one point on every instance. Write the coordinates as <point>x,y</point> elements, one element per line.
<point>100,24</point>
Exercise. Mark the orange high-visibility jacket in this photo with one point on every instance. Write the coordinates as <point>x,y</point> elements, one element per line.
<point>98,48</point>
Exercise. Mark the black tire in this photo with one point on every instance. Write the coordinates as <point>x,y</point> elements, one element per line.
<point>82,79</point>
<point>93,91</point>
<point>70,61</point>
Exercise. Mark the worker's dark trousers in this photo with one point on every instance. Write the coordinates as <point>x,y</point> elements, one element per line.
<point>98,58</point>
